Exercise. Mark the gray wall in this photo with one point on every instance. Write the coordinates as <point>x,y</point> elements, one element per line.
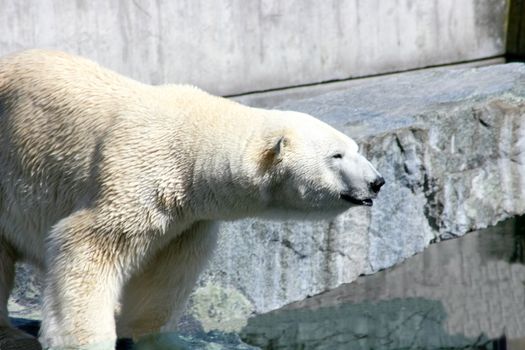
<point>237,46</point>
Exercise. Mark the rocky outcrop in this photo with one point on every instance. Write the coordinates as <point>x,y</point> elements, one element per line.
<point>451,145</point>
<point>465,293</point>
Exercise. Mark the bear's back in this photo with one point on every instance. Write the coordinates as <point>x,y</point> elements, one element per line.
<point>55,107</point>
<point>64,85</point>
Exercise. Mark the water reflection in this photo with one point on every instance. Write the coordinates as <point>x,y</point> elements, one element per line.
<point>463,293</point>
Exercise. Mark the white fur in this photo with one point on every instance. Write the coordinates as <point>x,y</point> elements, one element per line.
<point>113,188</point>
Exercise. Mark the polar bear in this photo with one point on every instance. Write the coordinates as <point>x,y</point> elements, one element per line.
<point>113,188</point>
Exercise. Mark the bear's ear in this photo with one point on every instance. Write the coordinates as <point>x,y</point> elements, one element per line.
<point>270,156</point>
<point>279,145</point>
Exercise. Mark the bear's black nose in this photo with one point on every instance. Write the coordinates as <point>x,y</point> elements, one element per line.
<point>376,185</point>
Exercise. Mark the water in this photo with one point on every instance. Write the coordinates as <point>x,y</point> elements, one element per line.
<point>465,293</point>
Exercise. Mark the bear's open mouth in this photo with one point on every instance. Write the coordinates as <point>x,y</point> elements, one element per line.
<point>349,198</point>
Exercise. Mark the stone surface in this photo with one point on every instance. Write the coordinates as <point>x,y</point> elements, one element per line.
<point>272,98</point>
<point>237,46</point>
<point>457,294</point>
<point>220,307</point>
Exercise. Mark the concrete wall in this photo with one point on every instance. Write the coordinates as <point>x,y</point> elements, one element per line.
<point>237,46</point>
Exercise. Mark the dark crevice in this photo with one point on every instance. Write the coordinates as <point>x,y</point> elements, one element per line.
<point>288,245</point>
<point>433,208</point>
<point>515,51</point>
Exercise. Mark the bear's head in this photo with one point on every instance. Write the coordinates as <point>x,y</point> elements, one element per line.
<point>314,169</point>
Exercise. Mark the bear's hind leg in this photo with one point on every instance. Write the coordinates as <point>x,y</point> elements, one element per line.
<point>159,292</point>
<point>82,284</point>
<point>10,337</point>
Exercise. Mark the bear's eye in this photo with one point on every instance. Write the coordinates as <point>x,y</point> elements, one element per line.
<point>337,156</point>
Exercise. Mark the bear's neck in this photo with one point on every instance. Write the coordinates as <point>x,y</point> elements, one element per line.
<point>225,181</point>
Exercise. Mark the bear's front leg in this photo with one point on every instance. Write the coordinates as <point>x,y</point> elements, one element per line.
<point>82,284</point>
<point>159,292</point>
